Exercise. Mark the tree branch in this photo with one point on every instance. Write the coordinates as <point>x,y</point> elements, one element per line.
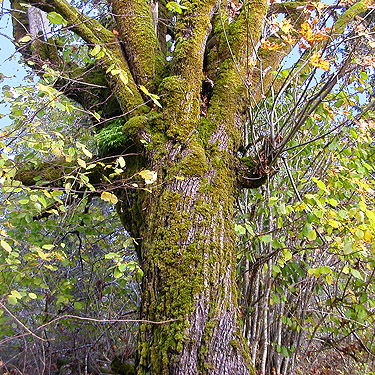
<point>138,34</point>
<point>93,33</point>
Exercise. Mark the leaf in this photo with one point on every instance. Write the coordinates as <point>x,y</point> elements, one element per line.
<point>78,305</point>
<point>172,6</point>
<point>239,229</point>
<point>317,61</point>
<point>311,235</point>
<point>153,97</point>
<point>309,35</point>
<point>356,274</point>
<point>149,176</point>
<point>108,197</point>
<point>86,152</point>
<point>267,238</point>
<point>25,39</point>
<point>271,46</point>
<point>121,162</point>
<point>95,50</point>
<point>117,273</point>
<point>33,296</point>
<point>287,255</point>
<point>16,294</point>
<point>110,255</point>
<point>6,246</point>
<point>57,19</point>
<point>81,162</point>
<point>48,246</point>
<point>320,184</point>
<point>286,25</point>
<point>348,248</point>
<point>12,300</point>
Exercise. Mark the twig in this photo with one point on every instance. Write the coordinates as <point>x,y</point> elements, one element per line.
<point>20,323</point>
<point>68,316</point>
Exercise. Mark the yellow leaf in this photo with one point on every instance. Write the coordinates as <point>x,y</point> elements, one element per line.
<point>271,46</point>
<point>316,60</point>
<point>25,39</point>
<point>149,176</point>
<point>86,152</point>
<point>6,246</point>
<point>121,162</point>
<point>81,162</point>
<point>108,197</point>
<point>286,26</point>
<point>309,35</point>
<point>43,255</point>
<point>367,236</point>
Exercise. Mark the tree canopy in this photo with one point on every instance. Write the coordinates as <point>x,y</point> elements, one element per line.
<point>187,188</point>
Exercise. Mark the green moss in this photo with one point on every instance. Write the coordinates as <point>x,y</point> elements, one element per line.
<point>348,15</point>
<point>181,107</point>
<point>132,127</point>
<point>140,40</point>
<point>195,163</point>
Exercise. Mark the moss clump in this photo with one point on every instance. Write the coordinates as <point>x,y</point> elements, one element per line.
<point>181,107</point>
<point>133,125</point>
<point>195,163</point>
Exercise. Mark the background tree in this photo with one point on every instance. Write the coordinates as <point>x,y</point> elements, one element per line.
<point>187,110</point>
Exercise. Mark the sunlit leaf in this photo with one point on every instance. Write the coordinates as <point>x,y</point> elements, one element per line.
<point>108,197</point>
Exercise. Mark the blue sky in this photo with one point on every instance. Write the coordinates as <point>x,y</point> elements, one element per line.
<point>9,61</point>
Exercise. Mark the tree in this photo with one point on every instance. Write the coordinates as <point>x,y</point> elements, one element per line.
<point>168,89</point>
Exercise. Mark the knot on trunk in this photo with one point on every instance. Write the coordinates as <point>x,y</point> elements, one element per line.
<point>251,173</point>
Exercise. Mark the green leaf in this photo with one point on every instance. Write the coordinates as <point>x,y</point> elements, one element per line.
<point>311,235</point>
<point>267,238</point>
<point>356,274</point>
<point>239,229</point>
<point>12,300</point>
<point>110,255</point>
<point>78,305</point>
<point>175,7</point>
<point>117,273</point>
<point>95,50</point>
<point>348,248</point>
<point>57,19</point>
<point>287,255</point>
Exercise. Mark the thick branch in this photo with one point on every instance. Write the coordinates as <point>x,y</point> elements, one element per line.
<point>94,33</point>
<point>138,34</point>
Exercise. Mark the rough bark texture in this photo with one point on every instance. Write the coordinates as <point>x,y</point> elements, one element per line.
<point>184,227</point>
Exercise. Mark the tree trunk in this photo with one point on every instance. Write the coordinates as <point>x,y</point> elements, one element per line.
<point>188,257</point>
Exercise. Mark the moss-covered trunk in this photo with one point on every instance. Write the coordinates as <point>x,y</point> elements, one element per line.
<point>189,259</point>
